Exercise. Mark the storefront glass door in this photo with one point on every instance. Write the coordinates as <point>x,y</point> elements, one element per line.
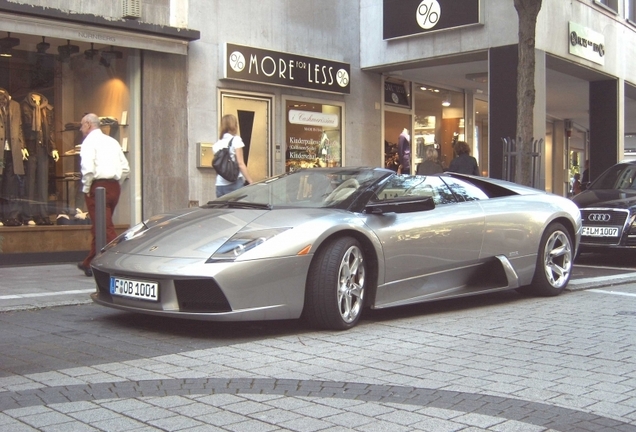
<point>254,117</point>
<point>439,121</point>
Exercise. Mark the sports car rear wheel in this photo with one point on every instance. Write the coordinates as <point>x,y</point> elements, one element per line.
<point>554,262</point>
<point>335,286</point>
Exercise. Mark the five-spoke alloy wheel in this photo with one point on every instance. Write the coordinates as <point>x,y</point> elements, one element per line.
<point>335,286</point>
<point>554,262</point>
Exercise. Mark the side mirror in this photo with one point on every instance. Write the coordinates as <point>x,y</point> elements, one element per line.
<point>400,205</point>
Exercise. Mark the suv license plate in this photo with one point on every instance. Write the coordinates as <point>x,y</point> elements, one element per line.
<point>143,290</point>
<point>600,231</point>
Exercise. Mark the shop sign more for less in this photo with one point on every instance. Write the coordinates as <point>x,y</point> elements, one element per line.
<point>283,69</point>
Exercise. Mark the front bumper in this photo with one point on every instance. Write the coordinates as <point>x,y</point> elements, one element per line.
<point>266,289</point>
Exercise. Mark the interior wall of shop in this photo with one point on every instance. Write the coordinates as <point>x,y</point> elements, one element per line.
<point>164,146</point>
<point>302,27</point>
<point>394,124</point>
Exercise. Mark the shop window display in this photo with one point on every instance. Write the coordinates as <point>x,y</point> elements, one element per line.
<point>439,122</point>
<point>313,135</point>
<point>46,86</point>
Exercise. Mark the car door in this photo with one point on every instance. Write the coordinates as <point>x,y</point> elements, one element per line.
<point>423,249</point>
<point>513,226</point>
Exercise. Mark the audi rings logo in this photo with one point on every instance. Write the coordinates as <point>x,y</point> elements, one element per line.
<point>599,217</point>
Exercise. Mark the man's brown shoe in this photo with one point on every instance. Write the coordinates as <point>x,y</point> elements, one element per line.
<point>87,270</point>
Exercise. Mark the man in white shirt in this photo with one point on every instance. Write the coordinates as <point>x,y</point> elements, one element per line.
<point>103,164</point>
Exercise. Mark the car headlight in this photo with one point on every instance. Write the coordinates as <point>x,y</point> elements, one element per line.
<point>130,233</point>
<point>242,242</point>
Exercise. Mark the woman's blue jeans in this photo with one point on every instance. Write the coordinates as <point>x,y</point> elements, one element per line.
<point>226,189</point>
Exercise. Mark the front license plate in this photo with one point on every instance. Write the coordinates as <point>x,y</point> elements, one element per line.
<point>143,290</point>
<point>589,231</point>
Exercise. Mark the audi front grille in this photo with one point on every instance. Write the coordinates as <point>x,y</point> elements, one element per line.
<point>604,217</point>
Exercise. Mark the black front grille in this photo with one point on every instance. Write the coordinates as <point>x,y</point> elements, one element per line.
<point>200,295</point>
<point>103,281</point>
<point>603,217</point>
<point>608,241</point>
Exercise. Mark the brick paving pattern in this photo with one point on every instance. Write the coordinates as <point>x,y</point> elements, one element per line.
<point>499,363</point>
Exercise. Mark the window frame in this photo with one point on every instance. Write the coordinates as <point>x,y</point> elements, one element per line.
<point>630,11</point>
<point>609,5</point>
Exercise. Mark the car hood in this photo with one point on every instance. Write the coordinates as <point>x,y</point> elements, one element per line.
<point>199,233</point>
<point>610,198</point>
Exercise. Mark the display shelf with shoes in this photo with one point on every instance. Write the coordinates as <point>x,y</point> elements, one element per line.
<point>62,243</point>
<point>41,220</point>
<point>12,222</point>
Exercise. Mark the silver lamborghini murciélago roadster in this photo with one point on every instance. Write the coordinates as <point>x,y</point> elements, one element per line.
<point>324,243</point>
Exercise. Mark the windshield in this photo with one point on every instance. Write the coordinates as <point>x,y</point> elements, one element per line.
<point>312,187</point>
<point>620,176</point>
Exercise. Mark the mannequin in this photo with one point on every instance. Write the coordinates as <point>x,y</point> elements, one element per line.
<point>404,152</point>
<point>12,158</point>
<point>37,122</point>
<point>324,149</point>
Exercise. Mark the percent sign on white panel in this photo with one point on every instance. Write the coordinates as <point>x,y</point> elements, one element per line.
<point>428,14</point>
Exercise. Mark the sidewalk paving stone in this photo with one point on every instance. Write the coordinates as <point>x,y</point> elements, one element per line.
<point>502,365</point>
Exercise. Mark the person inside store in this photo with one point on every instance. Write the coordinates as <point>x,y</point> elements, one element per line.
<point>229,132</point>
<point>103,164</point>
<point>585,178</point>
<point>576,185</point>
<point>430,165</point>
<point>37,122</point>
<point>464,163</point>
<point>12,157</point>
<point>392,162</point>
<point>404,152</point>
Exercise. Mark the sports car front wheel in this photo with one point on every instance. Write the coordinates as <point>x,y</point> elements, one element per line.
<point>334,297</point>
<point>554,262</point>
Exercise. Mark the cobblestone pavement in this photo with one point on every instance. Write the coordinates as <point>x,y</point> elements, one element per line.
<point>501,362</point>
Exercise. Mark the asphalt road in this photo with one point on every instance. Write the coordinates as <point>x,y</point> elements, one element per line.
<point>620,259</point>
<point>501,362</point>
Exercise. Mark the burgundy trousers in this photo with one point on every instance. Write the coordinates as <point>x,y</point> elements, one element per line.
<point>112,198</point>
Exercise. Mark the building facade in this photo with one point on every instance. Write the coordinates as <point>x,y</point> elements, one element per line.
<point>467,52</point>
<point>313,83</point>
